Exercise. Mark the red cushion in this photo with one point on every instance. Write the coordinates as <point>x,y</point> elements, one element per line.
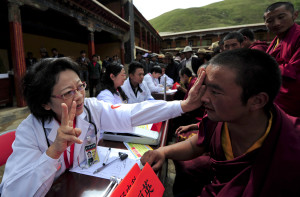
<point>6,141</point>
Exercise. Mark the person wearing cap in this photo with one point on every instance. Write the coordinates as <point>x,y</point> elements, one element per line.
<point>139,58</point>
<point>285,48</point>
<point>153,61</point>
<point>204,54</point>
<point>233,40</point>
<point>192,63</point>
<point>152,79</point>
<point>173,67</point>
<point>250,42</point>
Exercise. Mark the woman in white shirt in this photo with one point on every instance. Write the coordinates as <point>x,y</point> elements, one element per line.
<point>152,79</point>
<point>62,122</point>
<point>110,86</point>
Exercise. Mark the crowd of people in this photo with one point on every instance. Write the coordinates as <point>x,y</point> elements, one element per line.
<point>241,96</point>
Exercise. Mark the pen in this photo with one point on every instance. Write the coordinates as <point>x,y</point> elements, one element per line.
<point>106,157</point>
<point>122,156</point>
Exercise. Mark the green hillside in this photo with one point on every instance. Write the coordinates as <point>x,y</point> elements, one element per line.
<point>220,14</point>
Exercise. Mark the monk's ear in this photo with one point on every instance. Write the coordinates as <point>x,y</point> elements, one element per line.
<point>258,101</point>
<point>295,15</point>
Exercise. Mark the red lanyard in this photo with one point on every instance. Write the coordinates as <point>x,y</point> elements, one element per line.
<point>67,163</point>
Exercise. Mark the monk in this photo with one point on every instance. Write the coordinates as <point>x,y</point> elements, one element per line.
<point>285,48</point>
<point>250,42</point>
<point>186,78</point>
<point>253,145</point>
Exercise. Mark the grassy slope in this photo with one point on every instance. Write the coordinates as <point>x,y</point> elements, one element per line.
<point>220,14</point>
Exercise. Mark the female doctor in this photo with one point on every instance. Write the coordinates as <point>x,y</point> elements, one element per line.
<point>52,138</point>
<point>110,86</point>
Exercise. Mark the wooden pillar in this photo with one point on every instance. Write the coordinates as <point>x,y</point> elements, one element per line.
<point>122,53</point>
<point>186,41</point>
<point>146,41</point>
<point>91,45</point>
<point>200,40</point>
<point>150,37</point>
<point>173,44</point>
<point>17,49</point>
<point>141,37</point>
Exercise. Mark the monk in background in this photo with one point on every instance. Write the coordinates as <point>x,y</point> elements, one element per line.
<point>253,145</point>
<point>285,48</point>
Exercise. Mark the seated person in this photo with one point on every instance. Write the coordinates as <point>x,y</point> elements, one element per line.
<point>164,76</point>
<point>134,86</point>
<point>152,79</point>
<point>110,90</point>
<point>187,79</point>
<point>253,145</point>
<point>59,125</point>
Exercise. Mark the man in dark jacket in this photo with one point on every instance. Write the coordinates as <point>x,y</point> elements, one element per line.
<point>95,74</point>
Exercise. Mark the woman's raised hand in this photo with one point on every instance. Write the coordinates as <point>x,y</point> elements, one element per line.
<point>66,134</point>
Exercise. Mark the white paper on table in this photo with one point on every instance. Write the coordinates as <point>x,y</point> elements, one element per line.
<point>169,91</point>
<point>118,168</point>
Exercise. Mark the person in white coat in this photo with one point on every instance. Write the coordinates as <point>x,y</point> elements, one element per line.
<point>135,87</point>
<point>110,90</point>
<point>152,79</point>
<point>169,80</point>
<point>62,121</point>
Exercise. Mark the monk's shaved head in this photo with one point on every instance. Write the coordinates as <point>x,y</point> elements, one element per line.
<point>288,6</point>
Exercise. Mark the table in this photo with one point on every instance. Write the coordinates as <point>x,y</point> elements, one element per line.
<point>73,184</point>
<point>160,96</point>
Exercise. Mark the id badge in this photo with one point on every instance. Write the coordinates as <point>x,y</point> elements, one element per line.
<point>91,153</point>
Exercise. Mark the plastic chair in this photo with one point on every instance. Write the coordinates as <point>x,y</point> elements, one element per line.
<point>6,141</point>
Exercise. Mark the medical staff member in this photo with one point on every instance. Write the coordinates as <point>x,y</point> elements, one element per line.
<point>152,79</point>
<point>134,87</point>
<point>52,138</point>
<point>110,86</point>
<point>169,81</point>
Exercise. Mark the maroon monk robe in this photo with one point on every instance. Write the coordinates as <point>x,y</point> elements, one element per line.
<point>287,54</point>
<point>271,170</point>
<point>259,45</point>
<point>189,86</point>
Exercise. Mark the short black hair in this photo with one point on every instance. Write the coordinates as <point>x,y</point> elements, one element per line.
<point>247,33</point>
<point>53,49</point>
<point>162,65</point>
<point>133,66</point>
<point>156,69</point>
<point>256,72</point>
<point>95,55</point>
<point>139,53</point>
<point>186,71</point>
<point>82,51</point>
<point>234,35</point>
<point>39,81</point>
<point>288,6</point>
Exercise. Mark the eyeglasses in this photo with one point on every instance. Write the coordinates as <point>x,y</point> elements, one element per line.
<point>71,93</point>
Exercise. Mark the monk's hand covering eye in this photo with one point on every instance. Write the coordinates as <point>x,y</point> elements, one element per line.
<point>66,134</point>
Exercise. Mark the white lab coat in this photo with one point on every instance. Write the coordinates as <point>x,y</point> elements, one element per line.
<point>141,96</point>
<point>109,97</point>
<point>169,80</point>
<point>30,172</point>
<point>153,83</point>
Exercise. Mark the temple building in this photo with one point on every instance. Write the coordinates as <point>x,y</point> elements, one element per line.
<point>104,27</point>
